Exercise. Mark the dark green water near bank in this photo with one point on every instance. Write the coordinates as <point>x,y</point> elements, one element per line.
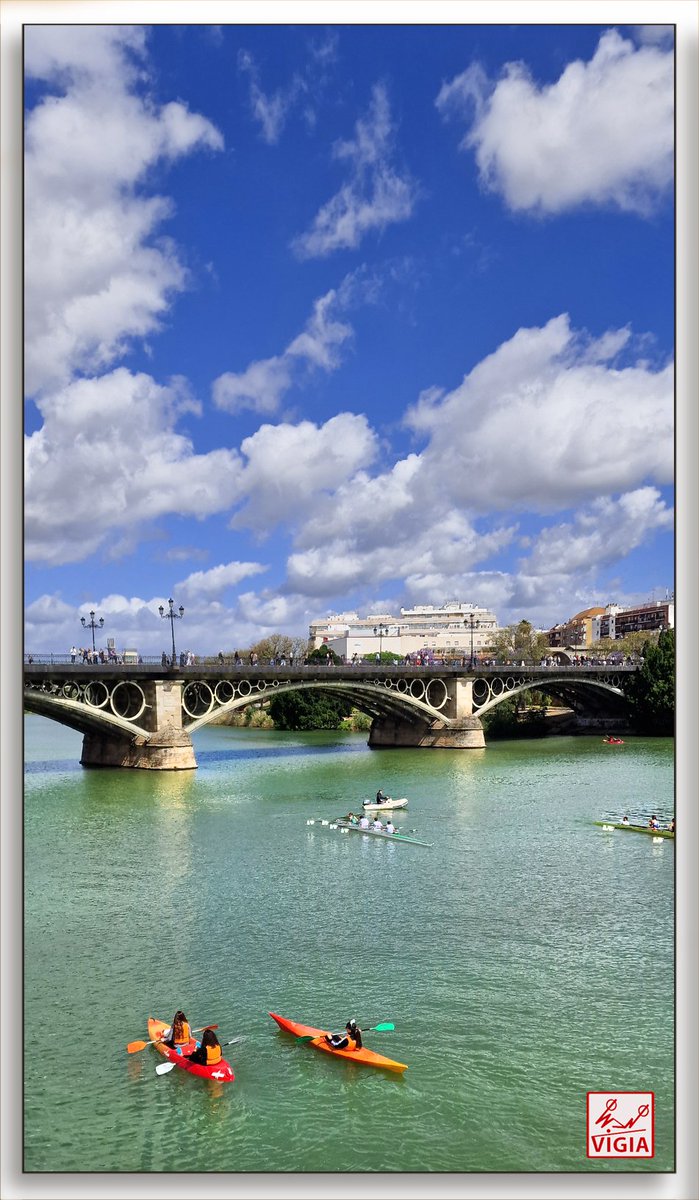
<point>526,957</point>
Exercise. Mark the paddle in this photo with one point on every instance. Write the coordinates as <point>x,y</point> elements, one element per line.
<point>383,1028</point>
<point>134,1047</point>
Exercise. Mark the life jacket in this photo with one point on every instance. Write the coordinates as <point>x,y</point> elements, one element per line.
<point>213,1055</point>
<point>351,1043</point>
<point>185,1036</point>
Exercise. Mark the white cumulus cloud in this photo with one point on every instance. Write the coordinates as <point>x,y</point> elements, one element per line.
<point>602,134</point>
<point>108,458</point>
<point>96,274</point>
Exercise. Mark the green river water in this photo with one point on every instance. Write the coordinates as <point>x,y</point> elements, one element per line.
<point>513,955</point>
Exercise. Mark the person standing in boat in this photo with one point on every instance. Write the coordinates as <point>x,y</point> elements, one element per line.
<point>351,1039</point>
<point>179,1033</point>
<point>209,1053</point>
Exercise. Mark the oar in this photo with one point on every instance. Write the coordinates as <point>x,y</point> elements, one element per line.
<point>134,1047</point>
<point>383,1028</point>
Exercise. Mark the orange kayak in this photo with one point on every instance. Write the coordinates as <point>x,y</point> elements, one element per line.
<point>368,1057</point>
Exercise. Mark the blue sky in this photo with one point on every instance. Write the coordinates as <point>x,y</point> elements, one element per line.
<point>330,317</point>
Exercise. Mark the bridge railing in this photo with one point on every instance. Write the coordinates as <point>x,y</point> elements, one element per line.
<point>213,665</point>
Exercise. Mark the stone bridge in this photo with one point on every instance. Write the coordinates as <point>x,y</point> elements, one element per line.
<point>143,716</point>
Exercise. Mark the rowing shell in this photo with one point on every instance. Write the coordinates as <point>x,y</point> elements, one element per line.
<point>381,833</point>
<point>663,833</point>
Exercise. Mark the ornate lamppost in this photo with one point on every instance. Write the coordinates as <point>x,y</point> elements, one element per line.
<point>380,630</point>
<point>471,623</point>
<point>172,616</point>
<point>93,625</point>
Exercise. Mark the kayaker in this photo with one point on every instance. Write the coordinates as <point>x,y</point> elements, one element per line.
<point>351,1039</point>
<point>209,1052</point>
<point>179,1033</point>
<point>390,827</point>
<point>380,797</point>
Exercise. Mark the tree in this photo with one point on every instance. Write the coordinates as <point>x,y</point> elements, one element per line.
<point>651,689</point>
<point>278,645</point>
<point>308,710</point>
<point>519,641</point>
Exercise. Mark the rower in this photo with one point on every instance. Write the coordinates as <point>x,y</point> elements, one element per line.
<point>364,821</point>
<point>390,827</point>
<point>376,823</point>
<point>625,820</point>
<point>654,823</point>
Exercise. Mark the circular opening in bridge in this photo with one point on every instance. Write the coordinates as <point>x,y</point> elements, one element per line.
<point>497,686</point>
<point>260,685</point>
<point>127,701</point>
<point>436,693</point>
<point>96,694</point>
<point>480,690</point>
<point>197,698</point>
<point>616,682</point>
<point>245,687</point>
<point>417,689</point>
<point>509,683</point>
<point>224,691</point>
<point>388,683</point>
<point>402,685</point>
<point>71,691</point>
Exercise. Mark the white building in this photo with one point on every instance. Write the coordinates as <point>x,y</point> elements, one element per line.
<point>445,629</point>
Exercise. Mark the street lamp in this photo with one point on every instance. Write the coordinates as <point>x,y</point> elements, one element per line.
<point>172,616</point>
<point>380,630</point>
<point>471,623</point>
<point>93,625</point>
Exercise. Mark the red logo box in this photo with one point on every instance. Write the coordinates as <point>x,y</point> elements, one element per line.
<point>620,1124</point>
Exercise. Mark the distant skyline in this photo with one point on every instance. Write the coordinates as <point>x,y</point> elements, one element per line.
<point>323,318</point>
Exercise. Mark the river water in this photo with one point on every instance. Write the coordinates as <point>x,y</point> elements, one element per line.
<point>525,958</point>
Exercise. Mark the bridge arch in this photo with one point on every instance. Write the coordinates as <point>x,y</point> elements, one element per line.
<point>374,699</point>
<point>558,685</point>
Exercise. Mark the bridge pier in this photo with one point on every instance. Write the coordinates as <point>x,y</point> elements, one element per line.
<point>170,752</point>
<point>466,733</point>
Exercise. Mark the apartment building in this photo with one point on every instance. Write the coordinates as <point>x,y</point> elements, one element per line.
<point>452,629</point>
<point>616,622</point>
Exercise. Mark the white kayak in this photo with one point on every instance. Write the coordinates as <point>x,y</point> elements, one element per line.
<point>375,806</point>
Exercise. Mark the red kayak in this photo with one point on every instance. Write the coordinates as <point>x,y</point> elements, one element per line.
<point>222,1071</point>
<point>368,1057</point>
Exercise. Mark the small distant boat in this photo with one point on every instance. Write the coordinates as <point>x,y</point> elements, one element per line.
<point>661,833</point>
<point>613,741</point>
<point>388,803</point>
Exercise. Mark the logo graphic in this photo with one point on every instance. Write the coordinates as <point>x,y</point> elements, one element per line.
<point>620,1124</point>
